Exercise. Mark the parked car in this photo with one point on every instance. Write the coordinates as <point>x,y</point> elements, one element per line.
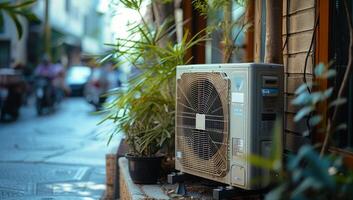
<point>102,80</point>
<point>76,79</point>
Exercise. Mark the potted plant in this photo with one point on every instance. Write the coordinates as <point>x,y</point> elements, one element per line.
<point>149,128</point>
<point>144,111</point>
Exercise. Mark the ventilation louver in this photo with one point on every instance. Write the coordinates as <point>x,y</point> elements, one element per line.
<point>202,122</point>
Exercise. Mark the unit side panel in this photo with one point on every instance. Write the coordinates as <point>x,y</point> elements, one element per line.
<point>268,108</point>
<point>239,109</point>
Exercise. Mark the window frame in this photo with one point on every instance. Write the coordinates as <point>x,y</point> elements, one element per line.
<point>322,55</point>
<point>7,44</point>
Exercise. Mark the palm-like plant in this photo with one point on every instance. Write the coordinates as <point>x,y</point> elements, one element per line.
<point>16,10</point>
<point>145,112</point>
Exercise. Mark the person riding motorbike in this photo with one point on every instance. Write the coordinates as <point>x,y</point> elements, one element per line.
<point>46,94</point>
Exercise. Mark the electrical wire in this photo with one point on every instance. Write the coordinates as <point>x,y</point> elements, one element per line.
<point>287,27</point>
<point>309,51</point>
<point>305,67</point>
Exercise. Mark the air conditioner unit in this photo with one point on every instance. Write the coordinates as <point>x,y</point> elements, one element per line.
<point>223,113</point>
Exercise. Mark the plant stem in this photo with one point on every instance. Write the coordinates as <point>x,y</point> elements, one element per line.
<point>227,41</point>
<point>342,90</point>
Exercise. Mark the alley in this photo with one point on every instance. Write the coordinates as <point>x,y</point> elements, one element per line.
<point>56,156</point>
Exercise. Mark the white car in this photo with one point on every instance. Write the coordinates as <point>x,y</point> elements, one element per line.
<point>100,82</point>
<point>76,78</point>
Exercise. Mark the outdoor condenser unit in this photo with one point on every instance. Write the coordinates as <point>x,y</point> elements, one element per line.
<point>223,113</point>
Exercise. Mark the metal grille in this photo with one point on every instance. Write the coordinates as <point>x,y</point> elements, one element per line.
<point>203,150</point>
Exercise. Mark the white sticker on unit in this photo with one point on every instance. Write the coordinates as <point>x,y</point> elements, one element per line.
<point>178,154</point>
<point>200,121</point>
<point>237,97</point>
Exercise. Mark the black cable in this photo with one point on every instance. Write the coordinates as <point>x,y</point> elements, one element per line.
<point>305,66</point>
<point>287,27</point>
<point>309,51</point>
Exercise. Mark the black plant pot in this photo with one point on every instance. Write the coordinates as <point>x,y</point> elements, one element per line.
<point>144,170</point>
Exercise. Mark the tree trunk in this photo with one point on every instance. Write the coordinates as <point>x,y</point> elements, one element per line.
<point>47,31</point>
<point>273,51</point>
<point>227,33</point>
<point>249,36</point>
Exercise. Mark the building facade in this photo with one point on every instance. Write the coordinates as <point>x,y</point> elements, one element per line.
<point>12,49</point>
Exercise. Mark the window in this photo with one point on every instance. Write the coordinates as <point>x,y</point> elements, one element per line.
<point>338,53</point>
<point>214,52</point>
<point>4,54</point>
<point>2,28</point>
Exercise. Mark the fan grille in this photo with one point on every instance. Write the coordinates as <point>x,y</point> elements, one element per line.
<point>203,150</point>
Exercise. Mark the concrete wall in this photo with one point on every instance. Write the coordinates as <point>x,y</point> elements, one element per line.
<point>69,21</point>
<point>18,49</point>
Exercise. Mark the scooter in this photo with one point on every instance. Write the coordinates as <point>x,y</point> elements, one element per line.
<point>45,95</point>
<point>11,89</point>
<point>3,95</point>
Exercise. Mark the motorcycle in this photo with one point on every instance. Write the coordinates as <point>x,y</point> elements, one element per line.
<point>3,95</point>
<point>45,95</point>
<point>11,89</point>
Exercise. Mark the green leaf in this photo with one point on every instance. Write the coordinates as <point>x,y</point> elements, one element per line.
<point>306,133</point>
<point>328,92</point>
<point>303,87</point>
<point>24,4</point>
<point>316,97</point>
<point>277,193</point>
<point>305,111</point>
<point>304,186</point>
<point>4,5</point>
<point>319,70</point>
<point>341,127</point>
<point>30,16</point>
<point>260,161</point>
<point>301,99</point>
<point>315,120</point>
<point>330,74</point>
<point>17,23</point>
<point>277,145</point>
<point>338,102</point>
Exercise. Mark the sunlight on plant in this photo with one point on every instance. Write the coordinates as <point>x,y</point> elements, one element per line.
<point>145,112</point>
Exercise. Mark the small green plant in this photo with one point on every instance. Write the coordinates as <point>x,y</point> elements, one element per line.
<point>145,111</point>
<point>309,101</point>
<point>14,11</point>
<point>309,176</point>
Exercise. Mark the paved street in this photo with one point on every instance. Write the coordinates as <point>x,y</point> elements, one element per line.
<point>57,156</point>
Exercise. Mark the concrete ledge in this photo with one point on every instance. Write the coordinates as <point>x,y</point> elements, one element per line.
<point>196,189</point>
<point>130,190</point>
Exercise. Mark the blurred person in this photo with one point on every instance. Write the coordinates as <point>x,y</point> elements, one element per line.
<point>46,92</point>
<point>102,80</point>
<point>45,69</point>
<point>26,73</point>
<point>59,80</point>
